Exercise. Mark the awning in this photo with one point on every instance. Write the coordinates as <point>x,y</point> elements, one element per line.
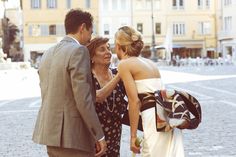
<point>178,46</point>
<point>40,52</point>
<point>173,46</point>
<point>193,46</point>
<point>182,45</point>
<point>211,49</point>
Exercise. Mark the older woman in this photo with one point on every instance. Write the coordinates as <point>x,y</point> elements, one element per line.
<point>110,102</point>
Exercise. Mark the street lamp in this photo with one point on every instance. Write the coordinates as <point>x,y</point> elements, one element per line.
<point>4,7</point>
<point>153,57</point>
<point>4,2</point>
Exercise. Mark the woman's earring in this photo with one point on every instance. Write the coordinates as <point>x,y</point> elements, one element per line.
<point>92,61</point>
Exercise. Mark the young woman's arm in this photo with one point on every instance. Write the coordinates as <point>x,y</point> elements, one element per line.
<point>104,92</point>
<point>134,102</point>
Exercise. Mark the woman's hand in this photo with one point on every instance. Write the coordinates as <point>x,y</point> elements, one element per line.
<point>105,91</point>
<point>133,145</point>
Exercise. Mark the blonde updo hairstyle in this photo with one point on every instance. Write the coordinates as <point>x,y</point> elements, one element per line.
<point>129,40</point>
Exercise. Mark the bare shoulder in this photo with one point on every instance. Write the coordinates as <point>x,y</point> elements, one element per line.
<point>153,65</point>
<point>149,61</point>
<point>126,65</point>
<point>123,64</point>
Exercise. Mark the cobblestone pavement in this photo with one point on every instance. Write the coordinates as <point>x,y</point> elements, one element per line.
<point>215,137</point>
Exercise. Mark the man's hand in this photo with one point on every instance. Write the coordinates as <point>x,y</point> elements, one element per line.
<point>101,148</point>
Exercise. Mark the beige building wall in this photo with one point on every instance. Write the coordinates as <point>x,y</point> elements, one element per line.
<point>191,15</point>
<point>38,20</point>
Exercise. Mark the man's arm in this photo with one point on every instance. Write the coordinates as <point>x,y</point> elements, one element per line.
<point>80,73</point>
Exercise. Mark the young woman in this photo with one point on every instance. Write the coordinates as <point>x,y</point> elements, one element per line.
<point>141,75</point>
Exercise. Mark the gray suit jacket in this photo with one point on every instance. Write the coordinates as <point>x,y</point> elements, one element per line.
<point>67,117</point>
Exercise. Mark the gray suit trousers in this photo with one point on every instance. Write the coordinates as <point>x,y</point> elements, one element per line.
<point>67,152</point>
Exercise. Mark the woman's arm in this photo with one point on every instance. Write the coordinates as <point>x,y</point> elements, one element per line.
<point>105,91</point>
<point>134,102</point>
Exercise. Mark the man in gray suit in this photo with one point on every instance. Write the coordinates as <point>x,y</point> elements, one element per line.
<point>67,122</point>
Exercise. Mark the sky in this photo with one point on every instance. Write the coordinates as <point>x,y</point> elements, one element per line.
<point>8,4</point>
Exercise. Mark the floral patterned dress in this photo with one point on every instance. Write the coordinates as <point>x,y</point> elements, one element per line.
<point>110,113</point>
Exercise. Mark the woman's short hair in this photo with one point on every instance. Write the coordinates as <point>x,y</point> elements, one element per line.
<point>130,40</point>
<point>75,18</point>
<point>95,43</point>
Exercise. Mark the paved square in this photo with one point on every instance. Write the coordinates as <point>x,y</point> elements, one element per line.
<point>215,89</point>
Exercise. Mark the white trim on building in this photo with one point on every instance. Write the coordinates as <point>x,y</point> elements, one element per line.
<point>112,15</point>
<point>227,35</point>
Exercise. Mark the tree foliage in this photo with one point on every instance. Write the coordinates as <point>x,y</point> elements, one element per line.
<point>10,31</point>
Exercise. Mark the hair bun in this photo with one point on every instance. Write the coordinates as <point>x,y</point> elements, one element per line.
<point>134,37</point>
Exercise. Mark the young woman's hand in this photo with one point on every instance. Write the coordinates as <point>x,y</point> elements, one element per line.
<point>133,145</point>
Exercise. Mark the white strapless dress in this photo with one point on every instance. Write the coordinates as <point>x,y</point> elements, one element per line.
<point>158,144</point>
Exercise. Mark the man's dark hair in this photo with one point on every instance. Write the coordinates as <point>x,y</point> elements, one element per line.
<point>75,18</point>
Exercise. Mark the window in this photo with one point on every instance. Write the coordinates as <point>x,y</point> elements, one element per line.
<point>204,28</point>
<point>30,30</point>
<point>158,28</point>
<point>200,4</point>
<point>140,27</point>
<point>94,29</point>
<point>44,30</point>
<point>87,3</point>
<point>106,5</point>
<point>34,30</point>
<point>106,29</point>
<point>203,4</point>
<point>148,4</point>
<point>68,4</point>
<point>178,29</point>
<point>35,4</point>
<point>60,30</point>
<point>114,4</point>
<point>123,4</point>
<point>139,4</point>
<point>178,4</point>
<point>181,3</point>
<point>51,3</point>
<point>157,4</point>
<point>207,4</point>
<point>227,2</point>
<point>174,3</point>
<point>52,29</point>
<point>228,23</point>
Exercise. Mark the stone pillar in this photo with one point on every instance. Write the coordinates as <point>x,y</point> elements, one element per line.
<point>2,56</point>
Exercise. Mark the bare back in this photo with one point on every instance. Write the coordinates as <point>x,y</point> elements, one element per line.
<point>130,70</point>
<point>142,68</point>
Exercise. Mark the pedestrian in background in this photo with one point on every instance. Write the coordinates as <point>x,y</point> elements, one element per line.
<point>67,122</point>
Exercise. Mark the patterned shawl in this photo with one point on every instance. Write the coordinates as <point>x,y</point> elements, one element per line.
<point>179,106</point>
